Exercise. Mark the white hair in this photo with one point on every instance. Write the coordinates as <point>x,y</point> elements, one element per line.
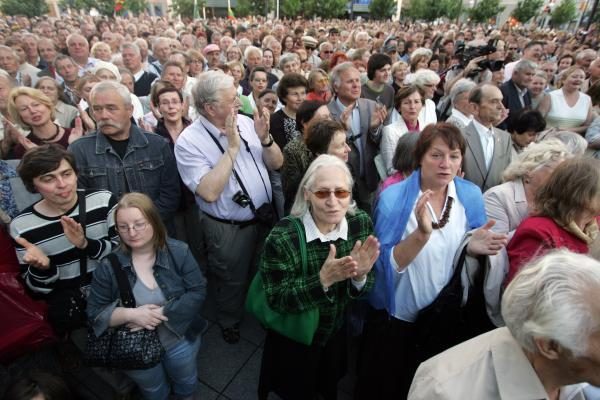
<point>574,142</point>
<point>106,86</point>
<point>535,156</point>
<point>301,205</point>
<point>338,70</point>
<point>463,85</point>
<point>553,298</point>
<point>421,51</point>
<point>424,77</point>
<point>208,88</point>
<point>252,49</point>
<point>525,65</point>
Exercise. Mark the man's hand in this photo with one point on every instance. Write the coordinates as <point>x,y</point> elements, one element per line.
<point>74,232</point>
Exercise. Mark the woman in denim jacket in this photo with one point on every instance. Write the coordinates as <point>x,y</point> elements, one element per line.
<point>169,290</point>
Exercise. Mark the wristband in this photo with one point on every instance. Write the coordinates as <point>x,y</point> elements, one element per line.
<point>270,143</point>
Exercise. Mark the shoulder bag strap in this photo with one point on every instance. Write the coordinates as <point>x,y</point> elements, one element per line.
<point>124,287</point>
<point>302,240</point>
<point>82,221</point>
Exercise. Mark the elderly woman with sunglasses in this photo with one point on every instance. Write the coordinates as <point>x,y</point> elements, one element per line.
<point>341,251</point>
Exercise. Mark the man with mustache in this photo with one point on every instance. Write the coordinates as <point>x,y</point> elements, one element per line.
<point>122,158</point>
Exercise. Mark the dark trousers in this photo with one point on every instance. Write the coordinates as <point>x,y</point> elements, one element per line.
<point>232,254</point>
<point>387,360</point>
<point>298,372</point>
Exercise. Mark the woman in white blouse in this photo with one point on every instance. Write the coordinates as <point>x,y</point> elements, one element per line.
<point>408,104</point>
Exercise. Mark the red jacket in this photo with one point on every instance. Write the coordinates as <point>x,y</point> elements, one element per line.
<point>535,237</point>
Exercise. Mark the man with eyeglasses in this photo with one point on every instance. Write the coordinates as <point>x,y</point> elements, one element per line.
<point>532,51</point>
<point>224,158</point>
<point>122,158</point>
<point>56,253</point>
<point>325,51</point>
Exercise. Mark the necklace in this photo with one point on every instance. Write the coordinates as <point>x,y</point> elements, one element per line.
<point>51,138</point>
<point>445,216</point>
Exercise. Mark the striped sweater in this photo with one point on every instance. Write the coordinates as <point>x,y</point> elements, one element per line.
<point>47,233</point>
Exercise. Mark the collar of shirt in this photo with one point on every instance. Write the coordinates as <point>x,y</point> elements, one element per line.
<point>521,92</point>
<point>484,132</point>
<point>461,117</point>
<point>210,127</point>
<point>138,74</point>
<point>313,233</point>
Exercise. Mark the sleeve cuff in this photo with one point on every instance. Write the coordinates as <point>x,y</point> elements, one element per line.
<point>394,264</point>
<point>358,285</point>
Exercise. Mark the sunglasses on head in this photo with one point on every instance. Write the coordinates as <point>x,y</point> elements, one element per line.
<point>339,193</point>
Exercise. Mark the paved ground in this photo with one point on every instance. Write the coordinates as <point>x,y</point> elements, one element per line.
<point>229,371</point>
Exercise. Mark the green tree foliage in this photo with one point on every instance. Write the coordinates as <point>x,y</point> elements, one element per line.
<point>565,12</point>
<point>105,7</point>
<point>485,9</point>
<point>382,9</point>
<point>30,8</point>
<point>527,9</point>
<point>250,7</point>
<point>325,9</point>
<point>430,10</point>
<point>292,8</point>
<point>184,8</point>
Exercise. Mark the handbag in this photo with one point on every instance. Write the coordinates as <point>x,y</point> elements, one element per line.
<point>300,327</point>
<point>120,347</point>
<point>66,306</point>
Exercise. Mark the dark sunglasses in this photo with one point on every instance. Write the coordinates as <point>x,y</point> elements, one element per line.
<point>339,193</point>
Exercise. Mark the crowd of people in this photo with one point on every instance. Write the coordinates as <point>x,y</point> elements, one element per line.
<point>421,186</point>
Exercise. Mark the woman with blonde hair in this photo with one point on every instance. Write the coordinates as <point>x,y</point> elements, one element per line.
<point>33,110</point>
<point>101,51</point>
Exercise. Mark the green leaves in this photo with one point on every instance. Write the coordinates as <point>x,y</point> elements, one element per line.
<point>382,9</point>
<point>527,9</point>
<point>484,10</point>
<point>430,10</point>
<point>30,8</point>
<point>565,12</point>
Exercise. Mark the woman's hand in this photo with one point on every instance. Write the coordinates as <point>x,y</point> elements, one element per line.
<point>365,254</point>
<point>88,122</point>
<point>337,269</point>
<point>148,316</point>
<point>422,213</point>
<point>34,256</point>
<point>77,131</point>
<point>74,232</point>
<point>485,242</point>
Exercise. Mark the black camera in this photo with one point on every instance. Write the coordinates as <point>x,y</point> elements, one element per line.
<point>241,199</point>
<point>466,54</point>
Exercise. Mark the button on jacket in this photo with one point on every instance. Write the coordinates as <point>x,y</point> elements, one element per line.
<point>148,167</point>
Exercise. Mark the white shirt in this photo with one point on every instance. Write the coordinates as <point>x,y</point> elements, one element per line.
<point>421,281</point>
<point>486,136</point>
<point>461,117</point>
<point>340,232</point>
<point>521,93</point>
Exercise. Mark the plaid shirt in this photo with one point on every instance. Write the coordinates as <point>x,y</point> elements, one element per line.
<point>289,290</point>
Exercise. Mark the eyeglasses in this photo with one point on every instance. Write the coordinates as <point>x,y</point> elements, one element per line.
<point>338,193</point>
<point>170,103</point>
<point>305,60</point>
<point>138,227</point>
<point>327,51</point>
<point>513,48</point>
<point>323,80</point>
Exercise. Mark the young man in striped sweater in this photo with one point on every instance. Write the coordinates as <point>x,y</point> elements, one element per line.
<point>51,244</point>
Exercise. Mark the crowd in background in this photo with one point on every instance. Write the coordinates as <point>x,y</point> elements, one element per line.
<point>368,170</point>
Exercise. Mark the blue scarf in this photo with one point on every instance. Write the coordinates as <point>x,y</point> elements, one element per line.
<point>394,207</point>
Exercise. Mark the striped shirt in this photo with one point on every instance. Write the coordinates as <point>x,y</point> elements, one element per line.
<point>47,233</point>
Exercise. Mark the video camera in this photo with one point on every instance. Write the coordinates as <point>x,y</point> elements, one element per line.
<point>466,54</point>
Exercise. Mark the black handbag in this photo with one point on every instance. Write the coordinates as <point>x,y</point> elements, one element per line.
<point>120,348</point>
<point>66,306</point>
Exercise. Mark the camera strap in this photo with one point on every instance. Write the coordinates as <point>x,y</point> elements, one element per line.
<point>235,174</point>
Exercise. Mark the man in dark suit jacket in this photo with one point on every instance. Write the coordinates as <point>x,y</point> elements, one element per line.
<point>514,91</point>
<point>132,59</point>
<point>489,149</point>
<point>363,119</point>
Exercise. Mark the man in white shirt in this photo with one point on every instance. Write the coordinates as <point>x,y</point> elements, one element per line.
<point>488,148</point>
<point>550,344</point>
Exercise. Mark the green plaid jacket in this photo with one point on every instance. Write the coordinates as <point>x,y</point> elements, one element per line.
<point>288,290</point>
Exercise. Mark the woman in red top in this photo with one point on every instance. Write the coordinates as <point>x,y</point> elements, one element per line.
<point>566,214</point>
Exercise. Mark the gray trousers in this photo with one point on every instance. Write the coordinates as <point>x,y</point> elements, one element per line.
<point>232,254</point>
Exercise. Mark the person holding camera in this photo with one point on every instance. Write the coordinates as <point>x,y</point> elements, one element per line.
<point>224,159</point>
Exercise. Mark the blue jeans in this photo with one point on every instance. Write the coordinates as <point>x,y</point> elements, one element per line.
<point>178,367</point>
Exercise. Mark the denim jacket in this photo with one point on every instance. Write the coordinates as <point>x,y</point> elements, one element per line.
<point>148,167</point>
<point>182,284</point>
